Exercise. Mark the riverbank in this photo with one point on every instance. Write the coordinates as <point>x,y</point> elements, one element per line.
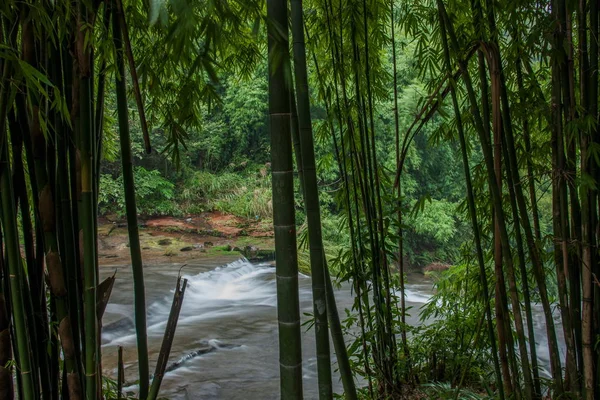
<point>167,240</point>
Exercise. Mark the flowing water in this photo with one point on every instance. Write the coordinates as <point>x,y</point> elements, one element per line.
<point>225,345</point>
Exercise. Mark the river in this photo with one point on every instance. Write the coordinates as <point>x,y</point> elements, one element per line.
<point>225,345</point>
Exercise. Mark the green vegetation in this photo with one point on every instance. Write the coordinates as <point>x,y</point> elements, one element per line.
<point>375,137</point>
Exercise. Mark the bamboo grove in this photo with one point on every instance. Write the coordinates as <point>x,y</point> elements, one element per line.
<point>523,110</point>
<point>51,128</point>
<point>512,87</point>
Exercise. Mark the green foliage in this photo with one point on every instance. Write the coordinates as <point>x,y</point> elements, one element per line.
<point>432,232</point>
<point>154,194</point>
<point>445,391</point>
<point>437,220</point>
<point>452,341</point>
<point>246,195</point>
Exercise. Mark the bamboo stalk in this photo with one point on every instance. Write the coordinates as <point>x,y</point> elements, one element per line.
<point>120,15</point>
<point>288,313</point>
<point>11,239</point>
<point>87,209</point>
<point>524,278</point>
<point>120,373</point>
<point>590,292</point>
<point>6,373</point>
<point>311,201</point>
<point>36,304</point>
<point>380,250</point>
<point>473,216</point>
<point>295,131</point>
<point>562,85</point>
<point>405,348</point>
<point>340,152</point>
<point>496,197</point>
<point>131,211</point>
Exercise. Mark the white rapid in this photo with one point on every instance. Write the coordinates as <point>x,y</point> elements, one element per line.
<point>226,340</point>
<point>225,345</point>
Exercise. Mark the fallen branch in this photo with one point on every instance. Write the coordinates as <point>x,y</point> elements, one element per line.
<point>165,348</point>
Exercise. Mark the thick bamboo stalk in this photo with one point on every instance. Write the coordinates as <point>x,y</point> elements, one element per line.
<point>288,312</point>
<point>131,210</point>
<point>87,209</point>
<point>21,134</point>
<point>586,227</point>
<point>68,239</point>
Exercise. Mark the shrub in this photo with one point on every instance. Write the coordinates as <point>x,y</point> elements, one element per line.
<point>154,194</point>
<point>453,341</point>
<point>245,195</point>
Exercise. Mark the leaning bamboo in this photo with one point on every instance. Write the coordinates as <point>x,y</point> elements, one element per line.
<point>311,197</point>
<point>131,211</point>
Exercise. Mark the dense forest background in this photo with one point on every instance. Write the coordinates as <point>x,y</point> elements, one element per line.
<point>460,137</point>
<point>224,165</point>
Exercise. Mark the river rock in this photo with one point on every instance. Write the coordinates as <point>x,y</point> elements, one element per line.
<point>165,242</point>
<point>250,252</point>
<point>187,248</point>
